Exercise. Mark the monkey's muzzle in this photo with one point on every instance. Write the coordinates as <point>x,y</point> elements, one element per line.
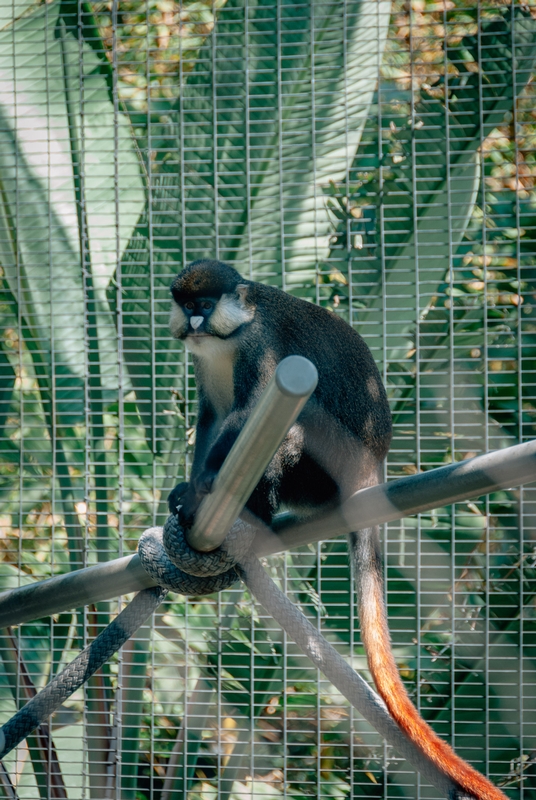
<point>195,322</point>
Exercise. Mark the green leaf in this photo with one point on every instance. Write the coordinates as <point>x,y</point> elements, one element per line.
<point>281,124</point>
<point>427,197</point>
<point>135,654</point>
<point>153,359</point>
<point>62,192</point>
<point>7,384</point>
<point>10,12</point>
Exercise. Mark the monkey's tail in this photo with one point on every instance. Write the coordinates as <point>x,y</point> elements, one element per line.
<point>376,639</point>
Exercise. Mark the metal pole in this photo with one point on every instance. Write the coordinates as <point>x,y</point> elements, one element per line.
<point>287,392</point>
<point>502,469</point>
<point>73,590</point>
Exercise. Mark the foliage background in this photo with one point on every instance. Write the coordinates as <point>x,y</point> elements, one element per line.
<point>374,157</point>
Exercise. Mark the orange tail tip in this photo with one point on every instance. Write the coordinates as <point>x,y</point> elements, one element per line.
<point>468,782</point>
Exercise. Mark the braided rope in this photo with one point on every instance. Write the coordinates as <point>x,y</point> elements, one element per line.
<point>168,558</point>
<point>349,683</point>
<point>81,669</point>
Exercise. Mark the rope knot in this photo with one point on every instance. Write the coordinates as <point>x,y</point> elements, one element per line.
<point>168,558</point>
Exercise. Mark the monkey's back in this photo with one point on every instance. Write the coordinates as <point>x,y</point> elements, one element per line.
<point>349,385</point>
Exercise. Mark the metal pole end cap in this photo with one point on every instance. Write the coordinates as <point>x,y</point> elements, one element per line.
<point>296,376</point>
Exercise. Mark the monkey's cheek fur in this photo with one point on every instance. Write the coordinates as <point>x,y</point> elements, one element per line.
<point>230,313</point>
<point>178,322</point>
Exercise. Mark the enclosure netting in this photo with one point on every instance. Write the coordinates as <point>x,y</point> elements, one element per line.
<point>377,158</point>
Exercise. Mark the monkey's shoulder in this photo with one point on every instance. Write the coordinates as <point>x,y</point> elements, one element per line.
<point>303,325</point>
<point>349,388</point>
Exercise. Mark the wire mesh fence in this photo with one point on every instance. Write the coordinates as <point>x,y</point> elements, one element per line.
<point>377,158</point>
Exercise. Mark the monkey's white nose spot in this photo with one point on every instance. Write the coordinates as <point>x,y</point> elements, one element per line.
<point>195,322</point>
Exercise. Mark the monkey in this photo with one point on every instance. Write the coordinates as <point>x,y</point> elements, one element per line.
<point>237,332</point>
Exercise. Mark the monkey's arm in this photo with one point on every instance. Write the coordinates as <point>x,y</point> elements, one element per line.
<point>209,460</point>
<point>227,436</point>
<point>213,457</point>
<point>204,433</point>
<point>247,389</point>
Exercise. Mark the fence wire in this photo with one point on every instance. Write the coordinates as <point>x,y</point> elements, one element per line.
<point>375,157</point>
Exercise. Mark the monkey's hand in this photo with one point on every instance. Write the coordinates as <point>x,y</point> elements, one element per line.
<point>190,500</point>
<point>176,495</point>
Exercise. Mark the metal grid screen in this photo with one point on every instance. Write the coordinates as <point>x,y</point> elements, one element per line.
<point>375,157</point>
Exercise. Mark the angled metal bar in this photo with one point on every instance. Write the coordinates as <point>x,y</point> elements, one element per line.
<point>502,469</point>
<point>287,392</point>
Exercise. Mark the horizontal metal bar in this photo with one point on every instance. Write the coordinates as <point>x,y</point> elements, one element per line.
<point>287,392</point>
<point>502,469</point>
<point>73,590</point>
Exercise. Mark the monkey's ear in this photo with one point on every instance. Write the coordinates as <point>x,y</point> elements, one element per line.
<point>242,291</point>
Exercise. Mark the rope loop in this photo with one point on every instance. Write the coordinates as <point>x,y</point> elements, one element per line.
<point>168,558</point>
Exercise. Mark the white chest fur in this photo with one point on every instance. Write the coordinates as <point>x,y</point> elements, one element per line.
<point>214,365</point>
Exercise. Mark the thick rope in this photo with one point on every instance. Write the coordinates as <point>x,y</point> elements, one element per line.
<point>81,669</point>
<point>349,683</point>
<point>169,559</point>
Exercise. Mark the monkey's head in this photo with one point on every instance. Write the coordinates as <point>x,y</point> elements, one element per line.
<point>209,300</point>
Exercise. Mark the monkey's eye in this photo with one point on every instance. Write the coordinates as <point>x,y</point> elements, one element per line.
<point>190,306</point>
<point>207,305</point>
